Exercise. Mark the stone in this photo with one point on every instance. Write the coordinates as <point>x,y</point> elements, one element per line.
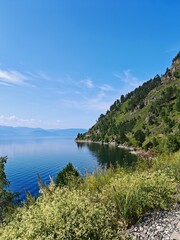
<point>158,226</point>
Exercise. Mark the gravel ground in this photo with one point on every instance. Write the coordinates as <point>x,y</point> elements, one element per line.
<point>157,226</point>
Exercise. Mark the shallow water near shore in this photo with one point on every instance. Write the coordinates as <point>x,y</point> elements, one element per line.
<point>47,156</point>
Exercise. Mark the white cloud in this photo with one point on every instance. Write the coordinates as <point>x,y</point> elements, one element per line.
<point>5,84</point>
<point>88,83</point>
<point>99,102</point>
<point>44,76</point>
<point>15,121</point>
<point>39,75</point>
<point>12,77</point>
<point>106,87</point>
<point>16,78</point>
<point>173,49</point>
<point>128,78</point>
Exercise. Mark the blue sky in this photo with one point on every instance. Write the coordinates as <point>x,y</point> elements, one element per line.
<point>64,62</point>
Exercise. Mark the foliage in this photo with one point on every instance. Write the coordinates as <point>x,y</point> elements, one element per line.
<point>101,207</point>
<point>176,57</point>
<point>64,214</point>
<point>173,143</point>
<point>140,137</point>
<point>147,188</point>
<point>169,164</point>
<point>138,193</point>
<point>68,175</point>
<point>178,101</point>
<point>6,197</point>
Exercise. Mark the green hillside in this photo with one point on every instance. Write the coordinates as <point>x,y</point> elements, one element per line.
<point>148,117</point>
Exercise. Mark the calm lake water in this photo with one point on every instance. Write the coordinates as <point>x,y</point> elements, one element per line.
<point>46,157</point>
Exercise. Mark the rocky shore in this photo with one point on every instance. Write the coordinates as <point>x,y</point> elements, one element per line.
<point>132,150</point>
<point>163,225</point>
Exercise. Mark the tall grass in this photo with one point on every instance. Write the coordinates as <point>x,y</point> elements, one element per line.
<point>101,206</point>
<point>170,164</point>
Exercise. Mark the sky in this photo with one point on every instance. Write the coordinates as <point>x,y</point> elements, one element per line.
<point>64,62</point>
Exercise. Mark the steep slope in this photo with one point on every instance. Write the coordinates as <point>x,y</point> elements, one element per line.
<point>148,117</point>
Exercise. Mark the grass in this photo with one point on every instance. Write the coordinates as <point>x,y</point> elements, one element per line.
<point>100,207</point>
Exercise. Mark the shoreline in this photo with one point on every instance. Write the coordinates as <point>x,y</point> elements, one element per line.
<point>141,153</point>
<point>131,149</point>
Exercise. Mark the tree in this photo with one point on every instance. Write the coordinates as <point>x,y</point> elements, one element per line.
<point>140,137</point>
<point>68,175</point>
<point>101,117</point>
<point>172,143</point>
<point>176,57</point>
<point>122,98</point>
<point>177,74</point>
<point>79,136</point>
<point>177,106</point>
<point>6,197</point>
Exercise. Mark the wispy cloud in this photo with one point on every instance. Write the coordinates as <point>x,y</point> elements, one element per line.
<point>25,78</point>
<point>106,88</point>
<point>15,121</point>
<point>173,49</point>
<point>5,84</point>
<point>10,77</point>
<point>39,75</point>
<point>128,78</point>
<point>88,83</point>
<point>98,102</point>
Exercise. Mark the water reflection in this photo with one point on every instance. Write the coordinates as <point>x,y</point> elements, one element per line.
<point>109,154</point>
<point>47,157</point>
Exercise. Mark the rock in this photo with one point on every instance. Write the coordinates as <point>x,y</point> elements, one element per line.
<point>158,226</point>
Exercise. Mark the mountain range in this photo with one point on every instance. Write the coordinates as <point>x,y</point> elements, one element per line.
<point>7,132</point>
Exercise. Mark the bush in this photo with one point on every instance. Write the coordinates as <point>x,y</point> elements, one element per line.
<point>6,197</point>
<point>173,143</point>
<point>140,137</point>
<point>68,176</point>
<point>169,164</point>
<point>101,207</point>
<point>138,193</point>
<point>64,214</point>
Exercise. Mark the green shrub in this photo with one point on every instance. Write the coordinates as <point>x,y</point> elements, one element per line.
<point>7,198</point>
<point>68,176</point>
<point>173,143</point>
<point>101,207</point>
<point>135,194</point>
<point>170,164</point>
<point>140,137</point>
<point>64,214</point>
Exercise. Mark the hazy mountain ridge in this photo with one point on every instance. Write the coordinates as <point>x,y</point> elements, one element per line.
<point>148,117</point>
<point>26,132</point>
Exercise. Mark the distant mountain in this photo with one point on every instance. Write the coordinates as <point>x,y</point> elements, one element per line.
<point>71,132</point>
<point>148,117</point>
<point>7,132</point>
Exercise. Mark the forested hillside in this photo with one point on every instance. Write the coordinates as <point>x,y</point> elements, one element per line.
<point>148,117</point>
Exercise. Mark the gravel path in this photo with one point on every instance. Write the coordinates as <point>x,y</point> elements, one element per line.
<point>157,226</point>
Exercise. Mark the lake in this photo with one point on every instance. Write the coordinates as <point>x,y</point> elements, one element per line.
<point>46,157</point>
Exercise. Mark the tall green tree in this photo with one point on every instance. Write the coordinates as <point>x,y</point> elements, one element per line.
<point>7,198</point>
<point>68,176</point>
<point>140,137</point>
<point>178,101</point>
